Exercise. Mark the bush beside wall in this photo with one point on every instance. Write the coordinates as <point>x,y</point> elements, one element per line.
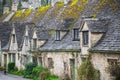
<point>11,66</point>
<point>86,71</point>
<point>28,70</point>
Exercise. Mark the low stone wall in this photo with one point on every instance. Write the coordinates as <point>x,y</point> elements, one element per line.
<point>61,63</point>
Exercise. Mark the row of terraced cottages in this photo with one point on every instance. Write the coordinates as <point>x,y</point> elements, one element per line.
<point>63,49</point>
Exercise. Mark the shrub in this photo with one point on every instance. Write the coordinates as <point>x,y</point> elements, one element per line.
<point>41,73</point>
<point>53,77</point>
<point>86,71</point>
<point>44,74</point>
<point>11,66</point>
<point>1,68</point>
<point>28,70</point>
<point>19,73</point>
<point>37,70</point>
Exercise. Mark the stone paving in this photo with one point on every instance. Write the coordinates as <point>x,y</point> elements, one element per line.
<point>11,77</point>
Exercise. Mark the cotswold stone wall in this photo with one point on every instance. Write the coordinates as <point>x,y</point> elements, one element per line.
<point>100,62</point>
<point>61,62</point>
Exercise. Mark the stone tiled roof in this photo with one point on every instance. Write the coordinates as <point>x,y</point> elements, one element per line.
<point>97,25</point>
<point>20,31</point>
<point>5,32</point>
<point>31,27</point>
<point>66,24</point>
<point>43,34</point>
<point>64,44</point>
<point>111,40</point>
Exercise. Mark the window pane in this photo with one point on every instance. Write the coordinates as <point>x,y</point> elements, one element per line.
<point>34,43</point>
<point>9,57</point>
<point>85,37</point>
<point>13,58</point>
<point>76,34</point>
<point>26,40</point>
<point>57,35</point>
<point>35,60</point>
<point>13,38</point>
<point>50,63</point>
<point>40,61</point>
<point>24,59</point>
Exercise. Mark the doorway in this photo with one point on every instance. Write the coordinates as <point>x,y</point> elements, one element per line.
<point>72,69</point>
<point>5,60</point>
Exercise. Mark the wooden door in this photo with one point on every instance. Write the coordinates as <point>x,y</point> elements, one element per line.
<point>5,60</point>
<point>72,68</point>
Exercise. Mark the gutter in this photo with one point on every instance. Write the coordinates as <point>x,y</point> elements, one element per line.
<point>62,50</point>
<point>103,51</point>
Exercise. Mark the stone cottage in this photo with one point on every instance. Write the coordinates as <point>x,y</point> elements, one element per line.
<point>59,50</point>
<point>16,44</point>
<point>61,44</point>
<point>4,41</point>
<point>106,51</point>
<point>100,38</point>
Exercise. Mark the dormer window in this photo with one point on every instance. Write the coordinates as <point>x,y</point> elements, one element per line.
<point>85,37</point>
<point>34,43</point>
<point>58,35</point>
<point>13,38</point>
<point>26,40</point>
<point>76,34</point>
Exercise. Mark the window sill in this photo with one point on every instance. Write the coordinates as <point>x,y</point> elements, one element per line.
<point>76,39</point>
<point>85,45</point>
<point>57,40</point>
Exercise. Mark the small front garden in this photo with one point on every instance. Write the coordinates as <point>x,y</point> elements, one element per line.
<point>32,71</point>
